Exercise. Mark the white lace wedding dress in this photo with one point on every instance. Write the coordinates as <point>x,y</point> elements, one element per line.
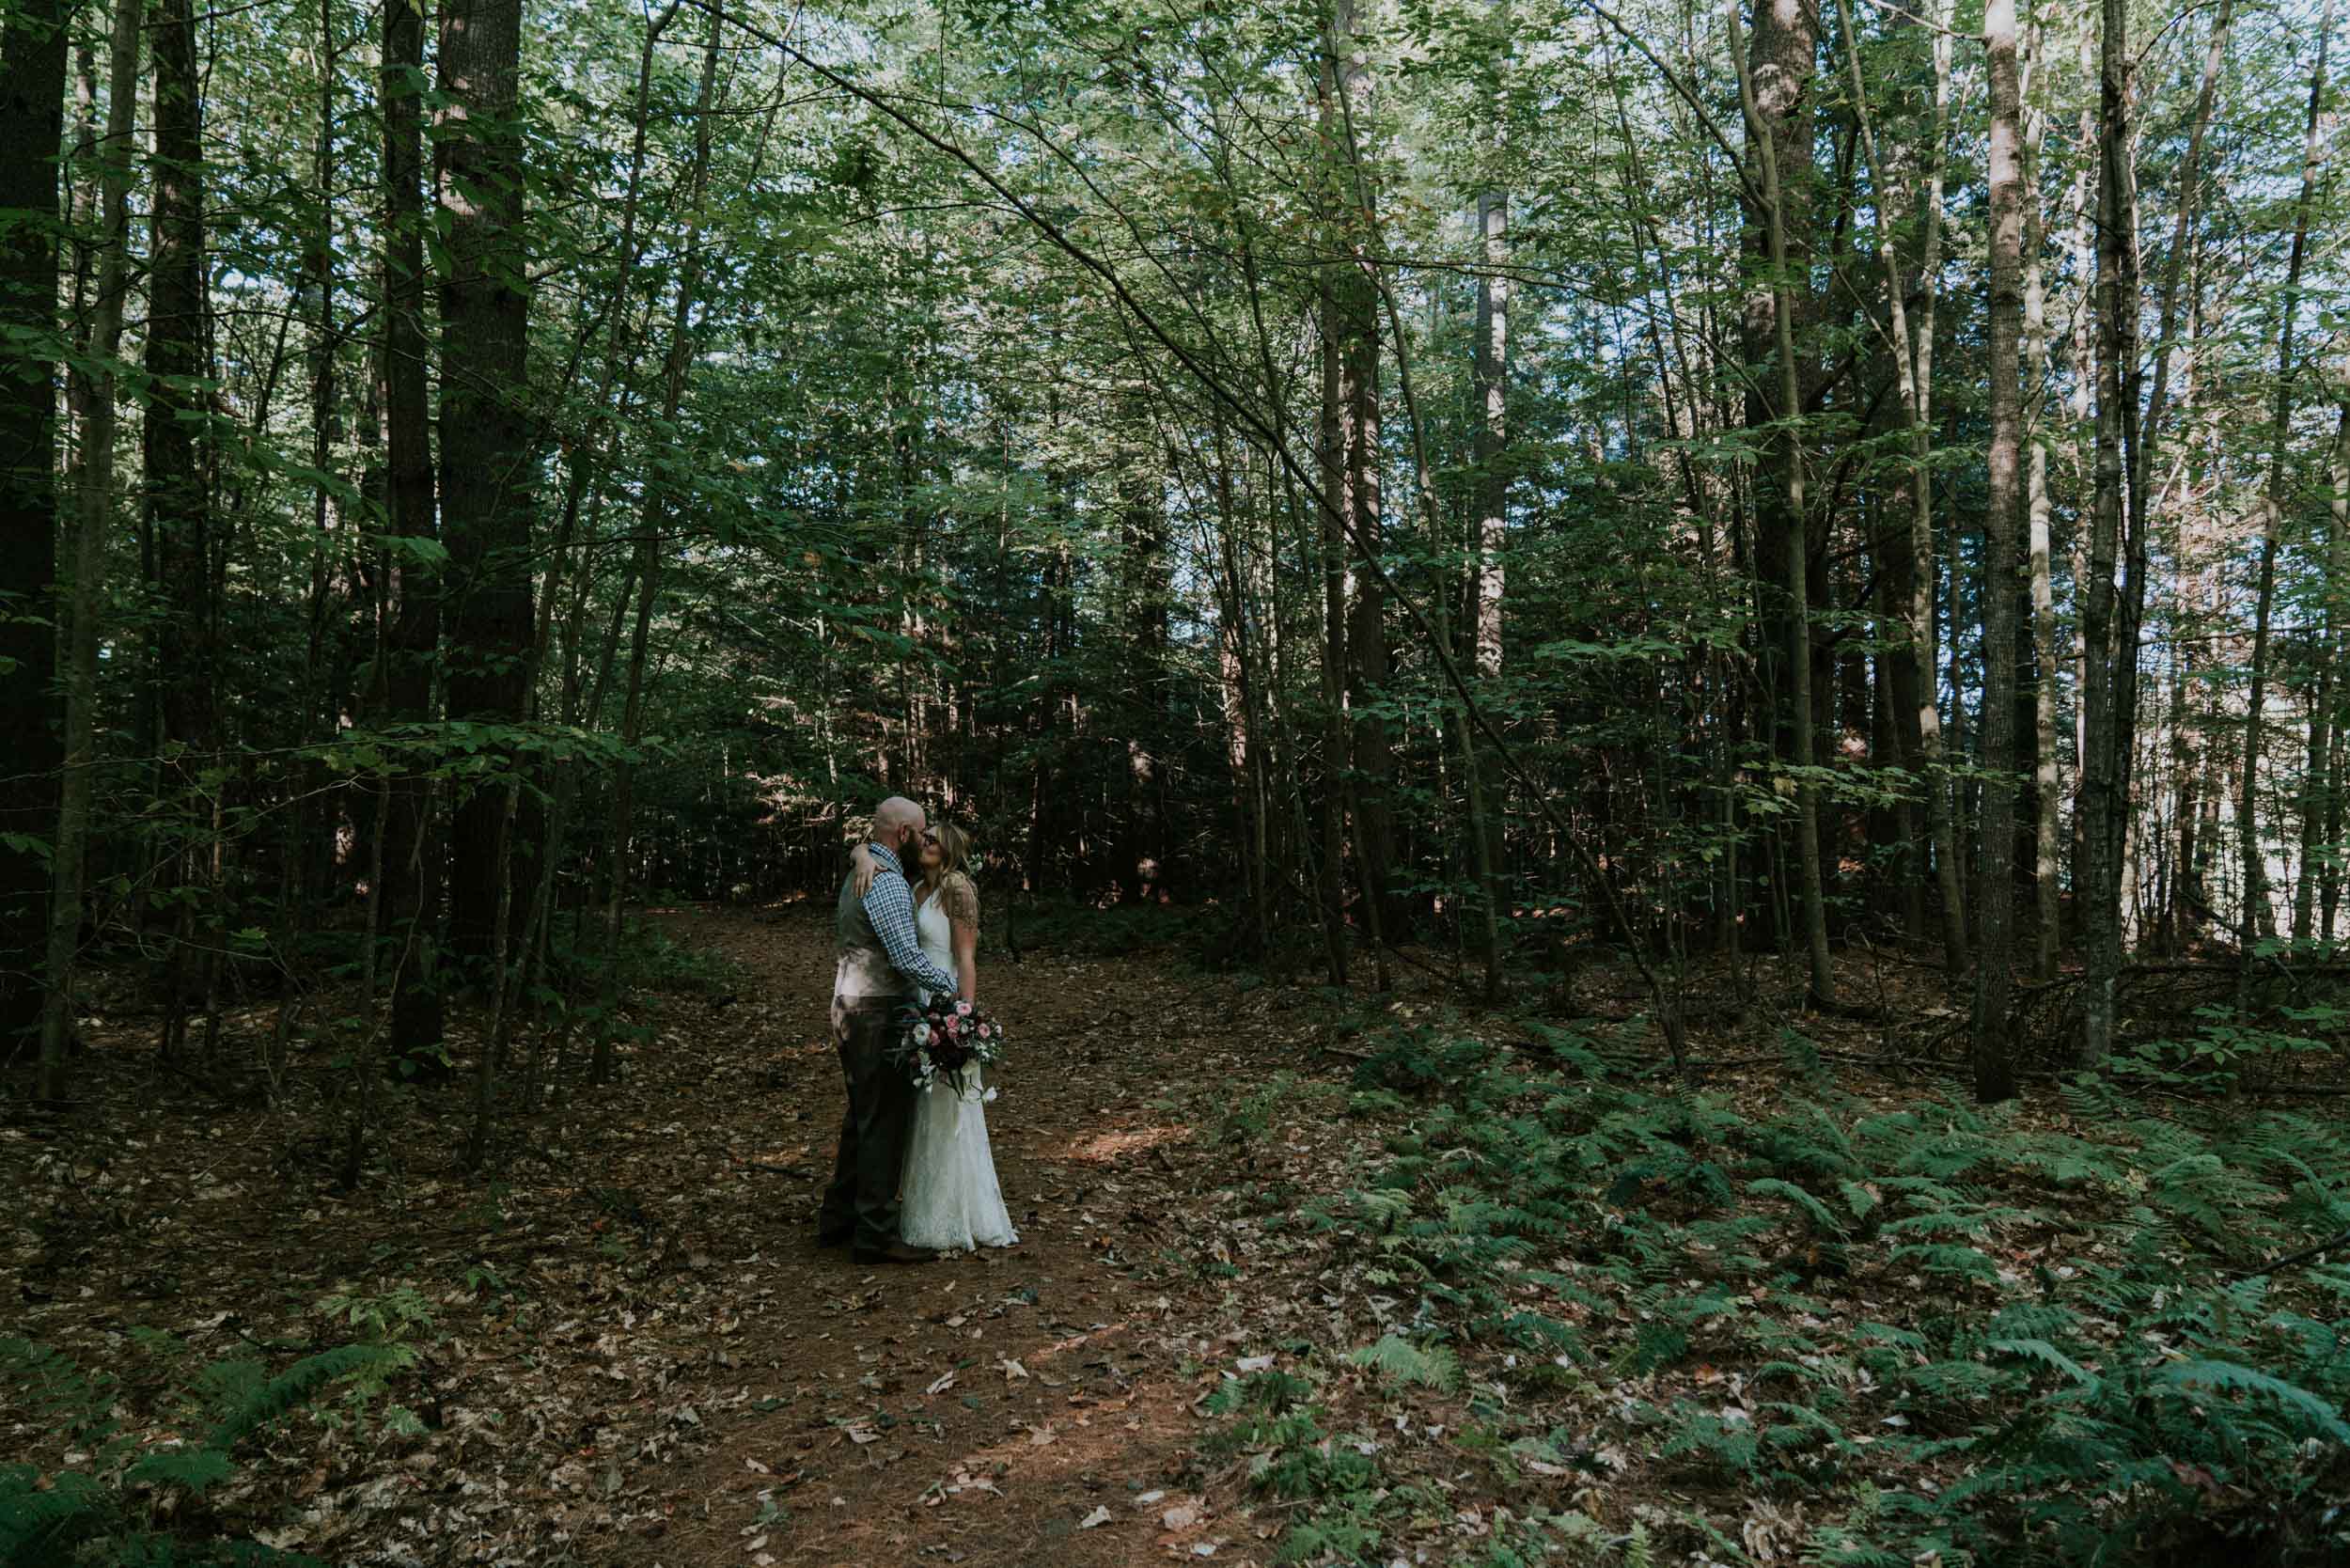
<point>951,1199</point>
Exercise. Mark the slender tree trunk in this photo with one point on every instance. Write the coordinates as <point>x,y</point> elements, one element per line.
<point>1353,319</point>
<point>659,506</point>
<point>1489,373</point>
<point>2112,688</point>
<point>1995,1074</point>
<point>1790,409</point>
<point>2109,692</point>
<point>2317,796</point>
<point>178,497</point>
<point>2049,794</point>
<point>2256,922</point>
<point>313,710</point>
<point>1912,366</point>
<point>1336,759</point>
<point>93,394</point>
<point>1339,321</point>
<point>1799,656</point>
<point>411,866</point>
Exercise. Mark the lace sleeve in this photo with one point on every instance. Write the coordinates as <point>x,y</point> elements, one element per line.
<point>961,899</point>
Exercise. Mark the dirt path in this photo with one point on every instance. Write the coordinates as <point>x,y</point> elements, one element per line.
<point>629,1350</point>
<point>981,1410</point>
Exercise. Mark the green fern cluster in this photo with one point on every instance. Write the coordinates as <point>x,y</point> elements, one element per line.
<point>2077,1340</point>
<point>1342,1503</point>
<point>107,1510</point>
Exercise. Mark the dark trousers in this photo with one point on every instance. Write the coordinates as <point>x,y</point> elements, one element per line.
<point>862,1201</point>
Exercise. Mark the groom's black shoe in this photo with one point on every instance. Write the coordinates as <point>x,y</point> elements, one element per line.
<point>834,1238</point>
<point>896,1252</point>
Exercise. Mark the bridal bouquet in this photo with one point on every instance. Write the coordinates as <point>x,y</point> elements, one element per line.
<point>946,1037</point>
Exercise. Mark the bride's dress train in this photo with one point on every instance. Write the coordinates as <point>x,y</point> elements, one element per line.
<point>951,1198</point>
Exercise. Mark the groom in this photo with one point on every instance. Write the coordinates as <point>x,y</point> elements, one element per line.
<point>880,965</point>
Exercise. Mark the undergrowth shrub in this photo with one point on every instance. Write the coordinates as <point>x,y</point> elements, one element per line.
<point>2064,1356</point>
<point>113,1501</point>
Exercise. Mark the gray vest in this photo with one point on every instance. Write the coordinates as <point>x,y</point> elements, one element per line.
<point>864,973</point>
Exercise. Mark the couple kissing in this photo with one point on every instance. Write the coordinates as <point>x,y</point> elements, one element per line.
<point>913,1175</point>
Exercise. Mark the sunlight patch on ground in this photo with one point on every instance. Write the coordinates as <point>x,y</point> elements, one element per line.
<point>1105,1148</point>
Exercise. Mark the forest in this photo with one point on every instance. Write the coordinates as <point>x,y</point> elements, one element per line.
<point>1655,699</point>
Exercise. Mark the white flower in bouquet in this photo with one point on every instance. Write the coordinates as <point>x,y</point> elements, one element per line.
<point>921,1034</point>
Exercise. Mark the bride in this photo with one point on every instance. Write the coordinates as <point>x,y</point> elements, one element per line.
<point>950,1199</point>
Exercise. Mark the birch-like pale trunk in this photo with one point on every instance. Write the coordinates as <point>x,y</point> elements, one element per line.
<point>2047,789</point>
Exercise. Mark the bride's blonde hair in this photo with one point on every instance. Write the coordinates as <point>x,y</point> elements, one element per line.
<point>954,885</point>
<point>954,851</point>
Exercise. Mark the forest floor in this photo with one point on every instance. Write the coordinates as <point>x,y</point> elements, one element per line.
<point>1249,1317</point>
<point>631,1350</point>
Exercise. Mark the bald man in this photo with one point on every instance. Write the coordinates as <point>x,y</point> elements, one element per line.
<point>880,966</point>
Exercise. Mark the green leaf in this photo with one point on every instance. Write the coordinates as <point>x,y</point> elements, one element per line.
<point>1432,1367</point>
<point>2317,1414</point>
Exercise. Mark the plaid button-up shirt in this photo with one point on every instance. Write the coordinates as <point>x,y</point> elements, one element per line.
<point>889,903</point>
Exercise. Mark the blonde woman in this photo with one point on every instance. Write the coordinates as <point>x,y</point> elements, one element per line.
<point>951,1200</point>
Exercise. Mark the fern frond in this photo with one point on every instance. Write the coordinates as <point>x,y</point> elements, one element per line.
<point>1818,1213</point>
<point>2048,1355</point>
<point>40,1528</point>
<point>300,1381</point>
<point>192,1469</point>
<point>2316,1415</point>
<point>1431,1367</point>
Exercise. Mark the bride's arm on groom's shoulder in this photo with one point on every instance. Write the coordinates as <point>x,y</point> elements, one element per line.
<point>962,900</point>
<point>864,867</point>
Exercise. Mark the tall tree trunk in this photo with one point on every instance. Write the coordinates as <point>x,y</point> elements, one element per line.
<point>411,871</point>
<point>2048,792</point>
<point>1781,62</point>
<point>1489,375</point>
<point>1352,320</point>
<point>486,448</point>
<point>33,54</point>
<point>93,394</point>
<point>2256,921</point>
<point>668,479</point>
<point>1765,139</point>
<point>1147,594</point>
<point>2127,436</point>
<point>1913,367</point>
<point>1332,540</point>
<point>315,705</point>
<point>2109,692</point>
<point>178,498</point>
<point>2316,796</point>
<point>1995,1074</point>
